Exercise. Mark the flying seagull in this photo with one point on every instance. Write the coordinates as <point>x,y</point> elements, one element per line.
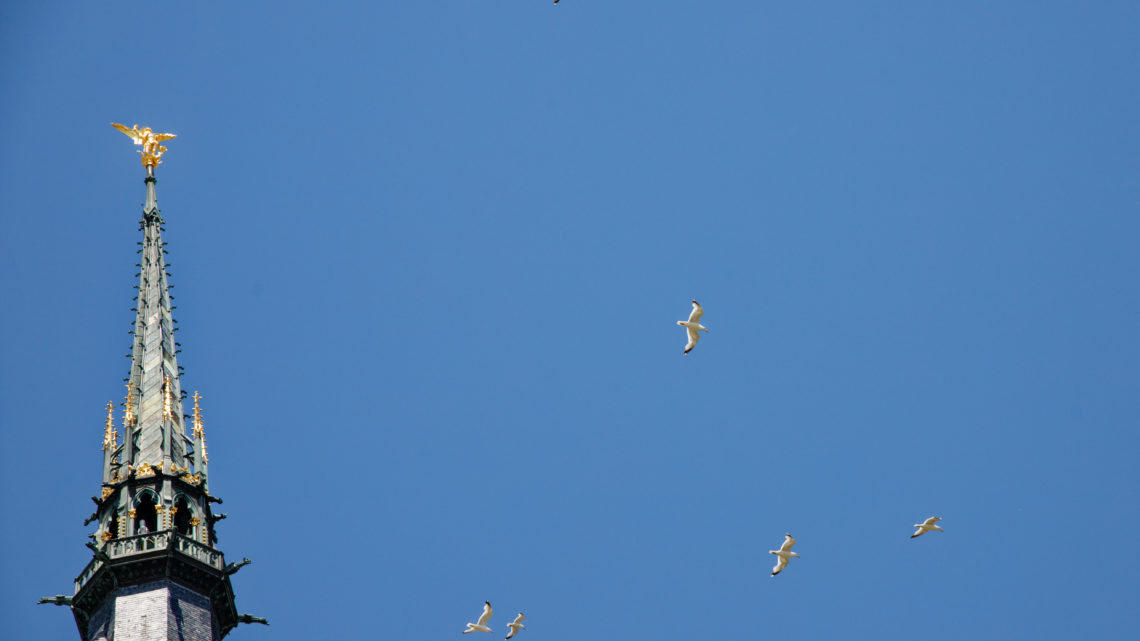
<point>481,624</point>
<point>926,526</point>
<point>783,554</point>
<point>516,625</point>
<point>693,326</point>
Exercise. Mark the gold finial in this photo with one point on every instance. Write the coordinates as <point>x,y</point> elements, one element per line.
<point>129,412</point>
<point>110,436</point>
<point>199,430</point>
<point>167,400</point>
<point>151,151</point>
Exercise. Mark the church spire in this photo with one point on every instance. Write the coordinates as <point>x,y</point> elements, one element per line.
<point>158,439</point>
<point>155,524</point>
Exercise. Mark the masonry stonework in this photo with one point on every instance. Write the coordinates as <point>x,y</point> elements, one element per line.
<point>155,611</point>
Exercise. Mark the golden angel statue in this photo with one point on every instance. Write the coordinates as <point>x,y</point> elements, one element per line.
<point>151,151</point>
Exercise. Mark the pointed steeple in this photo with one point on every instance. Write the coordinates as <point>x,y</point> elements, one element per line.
<point>155,531</point>
<point>158,440</point>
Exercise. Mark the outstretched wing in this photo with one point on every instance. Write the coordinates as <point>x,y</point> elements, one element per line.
<point>789,541</point>
<point>694,336</point>
<point>931,521</point>
<point>133,133</point>
<point>695,316</point>
<point>486,616</point>
<point>781,563</point>
<point>162,137</point>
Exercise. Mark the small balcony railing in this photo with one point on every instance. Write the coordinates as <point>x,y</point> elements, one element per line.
<point>152,542</point>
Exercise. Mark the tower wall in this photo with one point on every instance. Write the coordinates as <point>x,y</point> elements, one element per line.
<point>156,611</point>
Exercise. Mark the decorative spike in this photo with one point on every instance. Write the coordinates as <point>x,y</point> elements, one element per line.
<point>199,429</point>
<point>110,436</point>
<point>129,412</point>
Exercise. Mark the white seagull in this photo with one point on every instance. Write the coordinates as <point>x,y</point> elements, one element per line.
<point>693,326</point>
<point>481,624</point>
<point>516,625</point>
<point>926,526</point>
<point>784,553</point>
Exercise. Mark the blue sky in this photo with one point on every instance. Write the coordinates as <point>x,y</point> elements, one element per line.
<point>428,259</point>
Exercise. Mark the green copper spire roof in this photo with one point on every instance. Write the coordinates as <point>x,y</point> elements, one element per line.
<point>159,436</point>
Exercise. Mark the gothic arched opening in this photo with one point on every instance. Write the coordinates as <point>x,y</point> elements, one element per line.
<point>182,517</point>
<point>146,517</point>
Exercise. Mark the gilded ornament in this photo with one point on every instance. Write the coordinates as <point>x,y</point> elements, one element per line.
<point>107,491</point>
<point>129,412</point>
<point>110,436</point>
<point>106,536</point>
<point>144,470</point>
<point>167,400</point>
<point>151,150</point>
<point>194,521</point>
<point>133,513</point>
<point>199,429</point>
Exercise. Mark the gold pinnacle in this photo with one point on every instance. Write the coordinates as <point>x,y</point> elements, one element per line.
<point>110,436</point>
<point>199,429</point>
<point>129,412</point>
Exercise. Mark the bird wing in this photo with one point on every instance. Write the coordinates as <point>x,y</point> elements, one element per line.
<point>693,338</point>
<point>919,532</point>
<point>127,130</point>
<point>518,619</point>
<point>512,632</point>
<point>781,563</point>
<point>162,137</point>
<point>789,541</point>
<point>695,316</point>
<point>931,521</point>
<point>483,618</point>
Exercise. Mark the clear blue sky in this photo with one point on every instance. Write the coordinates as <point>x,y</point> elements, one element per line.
<point>428,259</point>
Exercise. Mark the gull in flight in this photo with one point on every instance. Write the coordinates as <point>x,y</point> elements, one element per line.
<point>516,625</point>
<point>783,554</point>
<point>926,526</point>
<point>481,624</point>
<point>693,326</point>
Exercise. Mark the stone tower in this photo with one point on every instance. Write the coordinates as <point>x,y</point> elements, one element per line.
<point>157,572</point>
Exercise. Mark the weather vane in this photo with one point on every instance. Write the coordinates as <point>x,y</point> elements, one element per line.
<point>151,149</point>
